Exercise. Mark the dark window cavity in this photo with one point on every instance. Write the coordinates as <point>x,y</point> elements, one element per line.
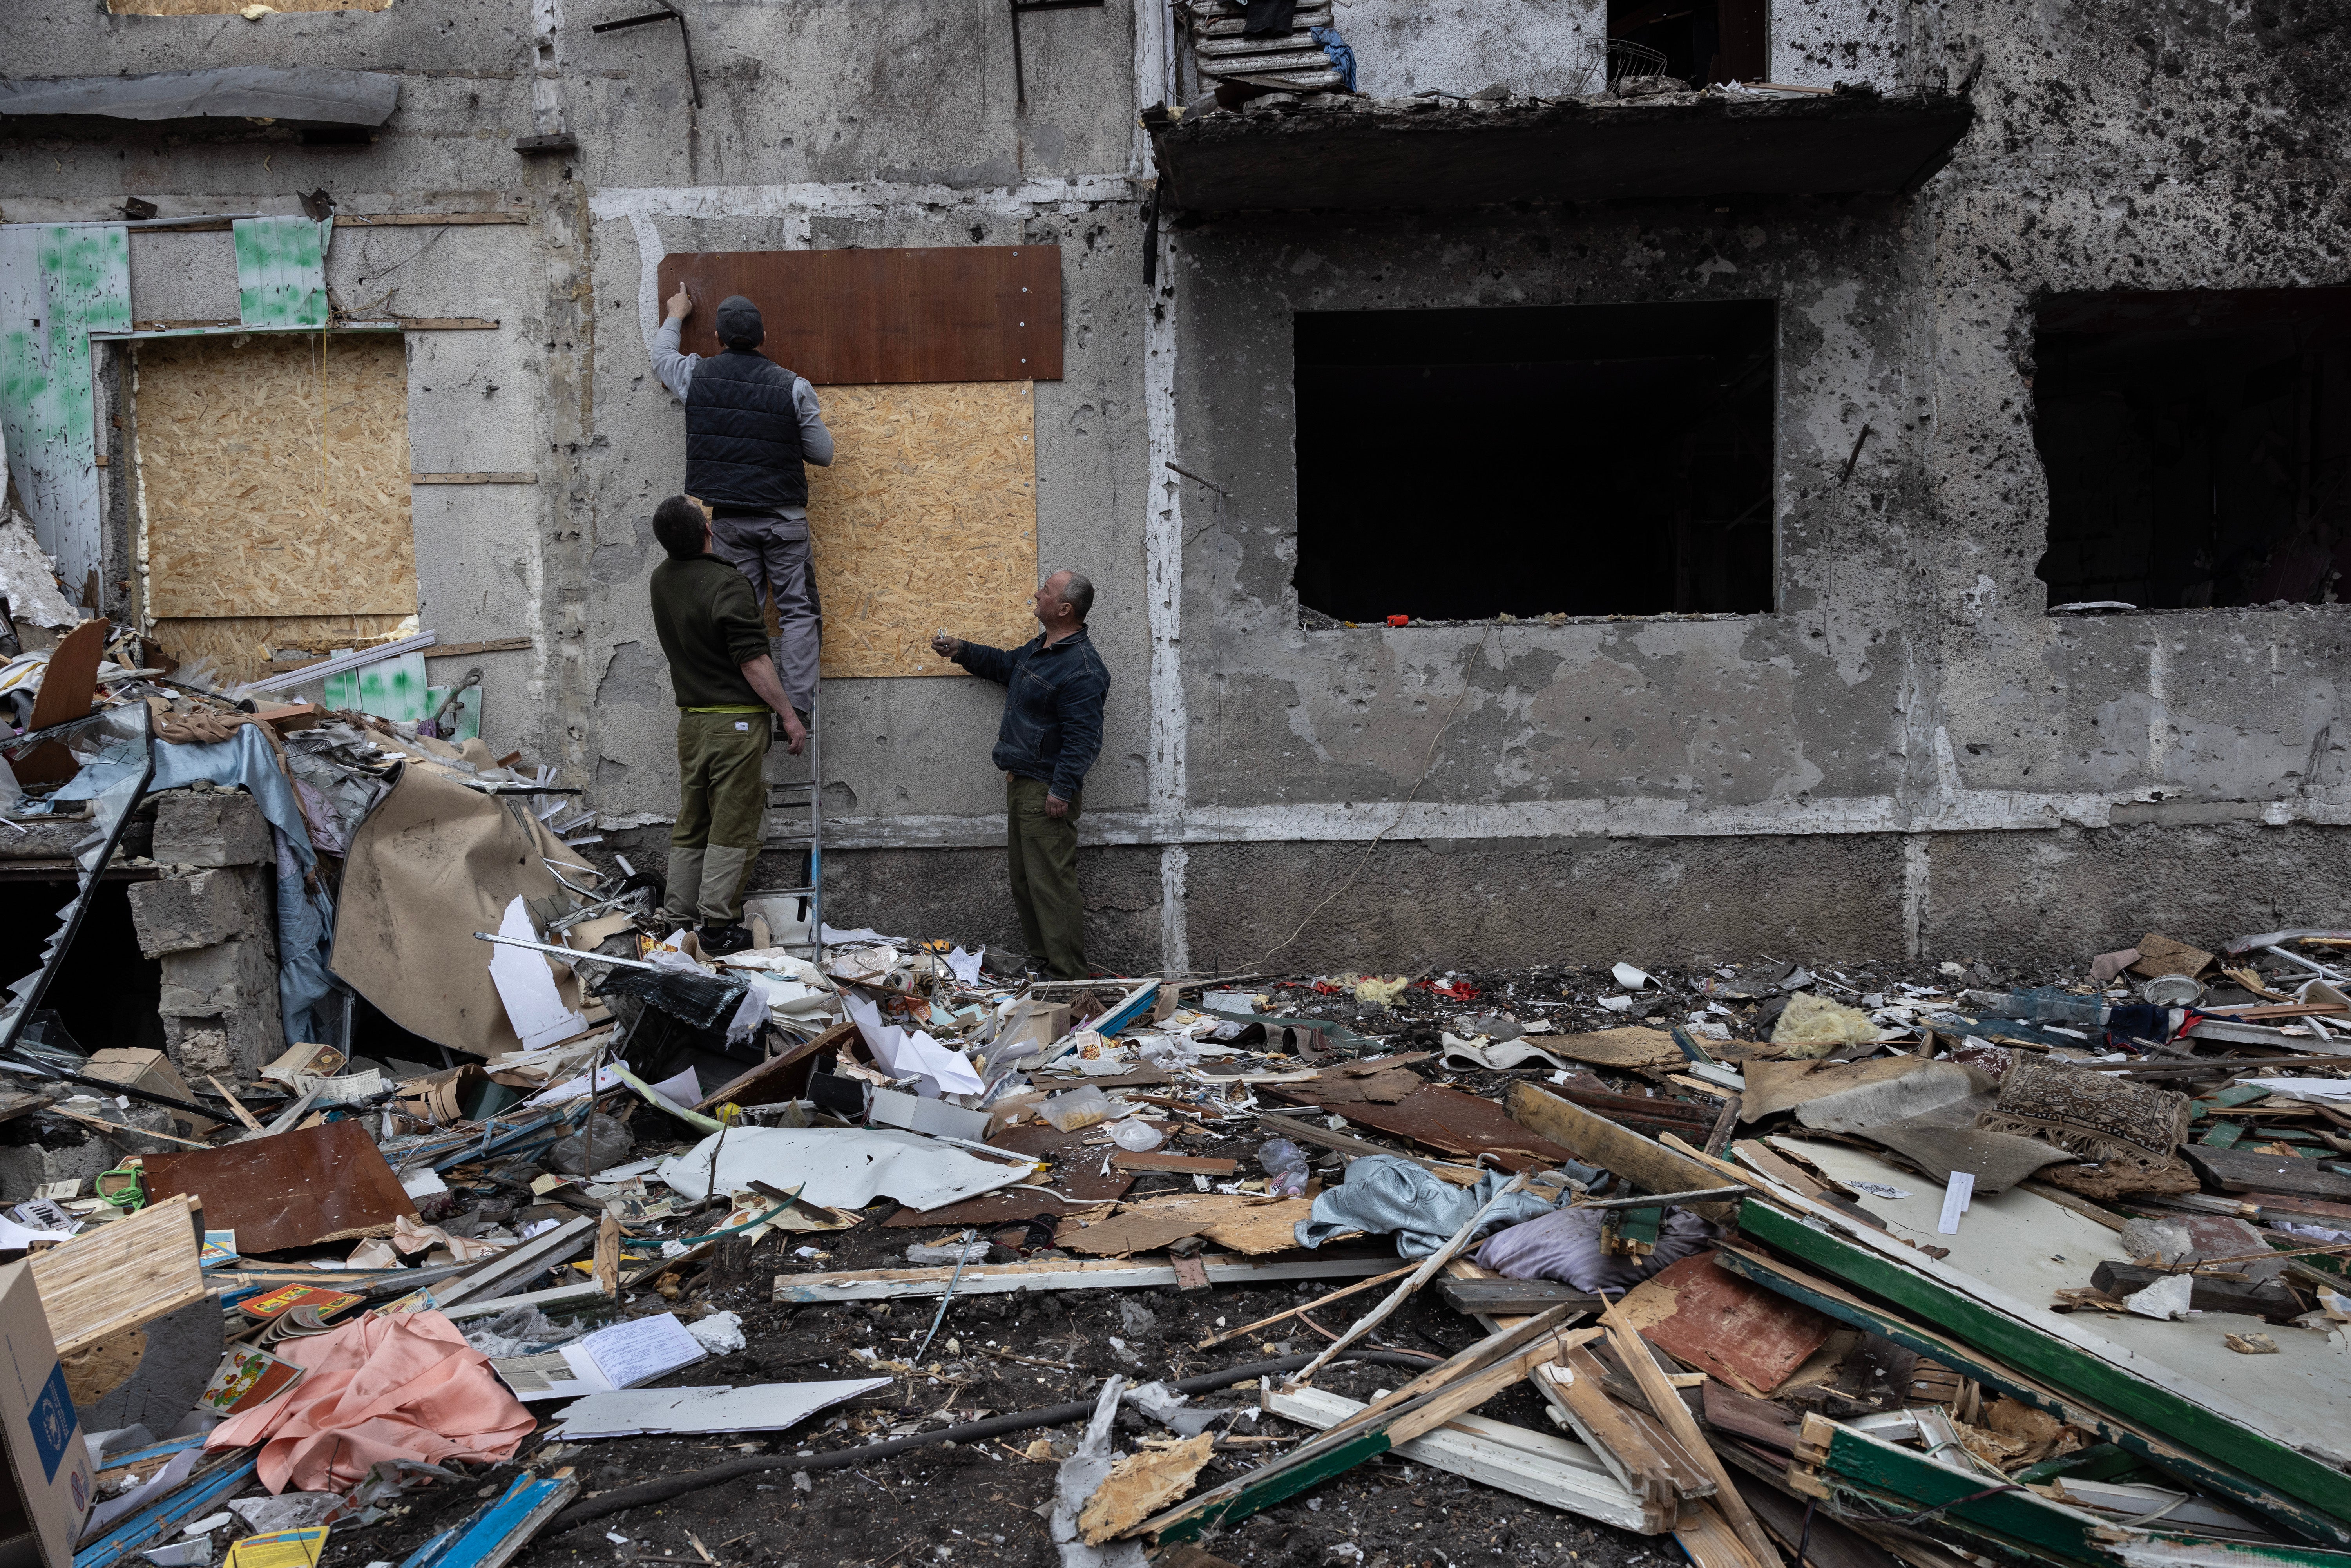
<point>2197,446</point>
<point>1584,460</point>
<point>1703,41</point>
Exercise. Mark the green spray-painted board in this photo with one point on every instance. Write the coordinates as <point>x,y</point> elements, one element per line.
<point>281,272</point>
<point>389,688</point>
<point>58,283</point>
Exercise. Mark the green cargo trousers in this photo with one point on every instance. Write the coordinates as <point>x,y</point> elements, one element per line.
<point>1043,853</point>
<point>722,799</point>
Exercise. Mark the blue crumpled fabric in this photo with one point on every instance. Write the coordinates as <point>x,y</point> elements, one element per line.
<point>306,920</point>
<point>1342,56</point>
<point>1384,1194</point>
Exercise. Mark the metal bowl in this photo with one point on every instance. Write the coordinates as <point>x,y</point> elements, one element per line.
<point>2173,991</point>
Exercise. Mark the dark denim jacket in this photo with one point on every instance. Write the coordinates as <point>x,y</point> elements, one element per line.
<point>1053,728</point>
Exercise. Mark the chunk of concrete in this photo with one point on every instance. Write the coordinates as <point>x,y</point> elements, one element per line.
<point>177,914</point>
<point>210,828</point>
<point>229,988</point>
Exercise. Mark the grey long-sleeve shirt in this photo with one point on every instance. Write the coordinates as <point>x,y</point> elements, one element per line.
<point>676,372</point>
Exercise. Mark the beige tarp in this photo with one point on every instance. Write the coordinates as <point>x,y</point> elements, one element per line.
<point>435,863</point>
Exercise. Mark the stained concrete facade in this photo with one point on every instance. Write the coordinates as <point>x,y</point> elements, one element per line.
<point>1908,754</point>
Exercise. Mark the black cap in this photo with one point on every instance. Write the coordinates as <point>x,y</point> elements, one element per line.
<point>738,323</point>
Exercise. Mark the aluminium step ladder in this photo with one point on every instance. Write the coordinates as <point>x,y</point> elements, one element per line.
<point>794,821</point>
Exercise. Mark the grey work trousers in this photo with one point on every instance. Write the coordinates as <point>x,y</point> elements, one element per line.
<point>773,552</point>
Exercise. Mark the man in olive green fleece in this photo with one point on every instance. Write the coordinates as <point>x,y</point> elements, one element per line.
<point>725,686</point>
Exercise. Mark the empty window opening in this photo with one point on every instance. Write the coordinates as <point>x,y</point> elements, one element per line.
<point>1578,460</point>
<point>2197,446</point>
<point>1702,41</point>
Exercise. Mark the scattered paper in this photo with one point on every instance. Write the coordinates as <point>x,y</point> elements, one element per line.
<point>942,1071</point>
<point>286,1549</point>
<point>964,966</point>
<point>1957,1194</point>
<point>1886,1190</point>
<point>633,1353</point>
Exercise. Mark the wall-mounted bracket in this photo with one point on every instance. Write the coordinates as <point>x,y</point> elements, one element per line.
<point>1019,9</point>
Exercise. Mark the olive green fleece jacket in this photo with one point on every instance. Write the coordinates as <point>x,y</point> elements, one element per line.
<point>709,627</point>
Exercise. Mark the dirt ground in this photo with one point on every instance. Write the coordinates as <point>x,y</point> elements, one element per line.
<point>979,1503</point>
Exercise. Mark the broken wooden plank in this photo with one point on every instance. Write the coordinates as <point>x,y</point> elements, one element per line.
<point>1573,1389</point>
<point>1495,1297</point>
<point>1595,1140</point>
<point>1537,1466</point>
<point>1376,1430</point>
<point>1667,1404</point>
<point>999,1279</point>
<point>783,1075</point>
<point>2242,1170</point>
<point>1186,1165</point>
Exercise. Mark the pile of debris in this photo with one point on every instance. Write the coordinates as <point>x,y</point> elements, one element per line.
<point>1787,1263</point>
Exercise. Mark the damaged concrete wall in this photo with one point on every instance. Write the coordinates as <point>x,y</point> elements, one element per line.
<point>1906,754</point>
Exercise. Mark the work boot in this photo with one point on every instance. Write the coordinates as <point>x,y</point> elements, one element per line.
<point>680,902</point>
<point>717,941</point>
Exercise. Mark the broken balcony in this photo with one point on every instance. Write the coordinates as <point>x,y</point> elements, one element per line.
<point>1358,154</point>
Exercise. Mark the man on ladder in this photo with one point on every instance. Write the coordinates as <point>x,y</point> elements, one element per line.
<point>751,427</point>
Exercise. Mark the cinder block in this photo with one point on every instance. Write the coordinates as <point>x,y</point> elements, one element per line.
<point>211,828</point>
<point>176,914</point>
<point>229,989</point>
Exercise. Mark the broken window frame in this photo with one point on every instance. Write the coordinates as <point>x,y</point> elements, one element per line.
<point>114,732</point>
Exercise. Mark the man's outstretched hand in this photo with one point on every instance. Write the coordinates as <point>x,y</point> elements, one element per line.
<point>681,304</point>
<point>944,646</point>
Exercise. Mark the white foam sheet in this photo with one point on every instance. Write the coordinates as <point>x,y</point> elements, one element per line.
<point>525,984</point>
<point>844,1167</point>
<point>758,1407</point>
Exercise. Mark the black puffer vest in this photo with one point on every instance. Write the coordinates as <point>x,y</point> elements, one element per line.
<point>743,433</point>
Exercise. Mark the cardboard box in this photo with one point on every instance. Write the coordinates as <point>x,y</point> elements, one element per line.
<point>151,1071</point>
<point>48,1463</point>
<point>1029,1027</point>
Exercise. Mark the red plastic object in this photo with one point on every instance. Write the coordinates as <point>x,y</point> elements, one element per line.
<point>1459,990</point>
<point>1399,620</point>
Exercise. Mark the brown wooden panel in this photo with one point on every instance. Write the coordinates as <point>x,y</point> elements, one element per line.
<point>843,317</point>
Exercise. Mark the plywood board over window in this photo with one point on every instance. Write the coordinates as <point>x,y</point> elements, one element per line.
<point>928,518</point>
<point>274,473</point>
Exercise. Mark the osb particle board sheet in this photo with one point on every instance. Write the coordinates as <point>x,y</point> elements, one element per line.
<point>276,470</point>
<point>928,518</point>
<point>239,646</point>
<point>121,1274</point>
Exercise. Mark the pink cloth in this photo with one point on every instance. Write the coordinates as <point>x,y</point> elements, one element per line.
<point>402,1387</point>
